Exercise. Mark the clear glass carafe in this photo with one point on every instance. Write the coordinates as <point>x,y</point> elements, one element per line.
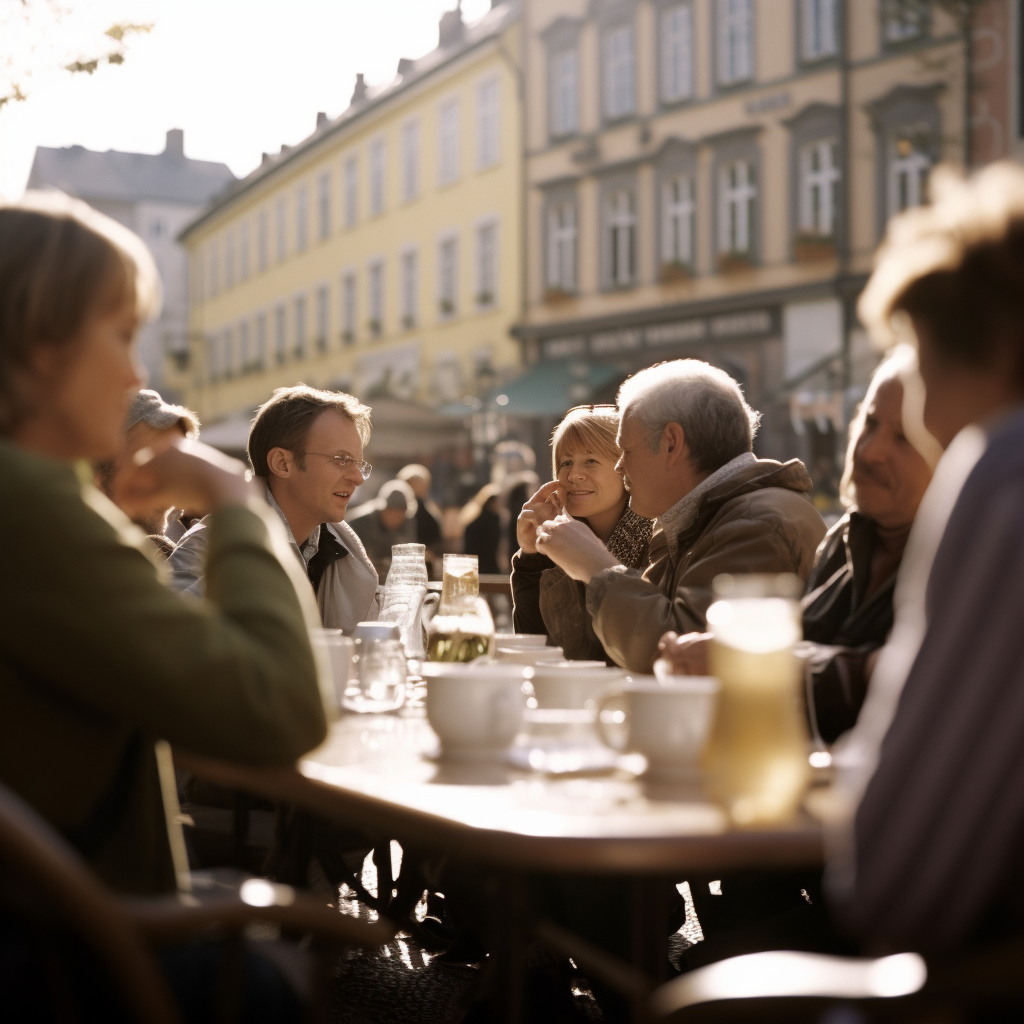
<point>408,564</point>
<point>757,755</point>
<point>462,629</point>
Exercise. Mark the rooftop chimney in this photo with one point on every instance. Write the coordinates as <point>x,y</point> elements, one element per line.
<point>452,29</point>
<point>405,66</point>
<point>266,159</point>
<point>175,142</point>
<point>321,118</point>
<point>359,92</point>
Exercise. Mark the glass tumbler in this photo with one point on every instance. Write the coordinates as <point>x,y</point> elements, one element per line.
<point>378,683</point>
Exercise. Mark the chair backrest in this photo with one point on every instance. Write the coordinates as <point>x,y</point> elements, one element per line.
<point>36,852</point>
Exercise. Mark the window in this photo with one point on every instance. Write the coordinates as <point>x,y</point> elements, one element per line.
<point>348,308</point>
<point>621,232</point>
<point>214,268</point>
<point>736,212</point>
<point>486,264</point>
<point>619,100</point>
<point>734,21</point>
<point>487,123</point>
<point>282,229</point>
<point>410,160</point>
<point>677,221</point>
<point>376,299</point>
<point>243,251</point>
<point>561,268</point>
<point>197,277</point>
<point>448,140</point>
<point>909,164</point>
<point>228,354</point>
<point>229,260</point>
<point>323,297</point>
<point>410,288</point>
<point>245,356</point>
<point>819,188</point>
<point>564,92</point>
<point>677,53</point>
<point>323,205</point>
<point>213,357</point>
<point>260,355</point>
<point>818,35</point>
<point>300,326</point>
<point>351,191</point>
<point>377,177</point>
<point>301,218</point>
<point>262,240</point>
<point>447,276</point>
<point>280,333</point>
<point>903,20</point>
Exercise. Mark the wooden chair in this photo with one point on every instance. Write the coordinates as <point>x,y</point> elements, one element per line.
<point>53,882</point>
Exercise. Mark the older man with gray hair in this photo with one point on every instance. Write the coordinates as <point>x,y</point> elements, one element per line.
<point>686,435</point>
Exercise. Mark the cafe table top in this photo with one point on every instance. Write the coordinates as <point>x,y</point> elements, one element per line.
<point>381,773</point>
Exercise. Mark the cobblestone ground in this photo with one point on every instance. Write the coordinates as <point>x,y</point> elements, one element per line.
<point>403,984</point>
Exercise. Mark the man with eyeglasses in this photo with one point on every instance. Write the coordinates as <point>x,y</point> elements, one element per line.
<point>306,446</point>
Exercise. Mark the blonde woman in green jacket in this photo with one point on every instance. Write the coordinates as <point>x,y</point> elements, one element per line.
<point>98,658</point>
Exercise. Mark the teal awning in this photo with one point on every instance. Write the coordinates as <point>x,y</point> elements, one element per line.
<point>551,387</point>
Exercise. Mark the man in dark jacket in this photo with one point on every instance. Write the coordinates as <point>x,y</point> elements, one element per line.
<point>686,436</point>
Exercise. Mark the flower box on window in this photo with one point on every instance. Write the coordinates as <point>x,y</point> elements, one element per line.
<point>674,271</point>
<point>735,262</point>
<point>408,321</point>
<point>374,327</point>
<point>446,307</point>
<point>485,299</point>
<point>553,296</point>
<point>321,344</point>
<point>810,248</point>
<point>347,337</point>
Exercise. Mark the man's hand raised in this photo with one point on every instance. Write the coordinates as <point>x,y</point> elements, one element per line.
<point>547,503</point>
<point>572,546</point>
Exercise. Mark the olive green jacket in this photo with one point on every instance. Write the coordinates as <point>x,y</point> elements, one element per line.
<point>98,658</point>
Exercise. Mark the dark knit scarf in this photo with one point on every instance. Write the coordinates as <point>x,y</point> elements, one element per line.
<point>631,539</point>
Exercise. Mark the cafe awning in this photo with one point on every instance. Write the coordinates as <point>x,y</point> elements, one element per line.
<point>551,387</point>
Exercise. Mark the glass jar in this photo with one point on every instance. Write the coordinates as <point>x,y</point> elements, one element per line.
<point>757,755</point>
<point>462,629</point>
<point>378,682</point>
<point>408,564</point>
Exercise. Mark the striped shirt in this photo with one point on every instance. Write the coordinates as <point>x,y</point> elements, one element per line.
<point>937,754</point>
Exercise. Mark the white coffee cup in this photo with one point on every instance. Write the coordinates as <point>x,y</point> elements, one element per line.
<point>520,640</point>
<point>574,684</point>
<point>339,650</point>
<point>476,710</point>
<point>668,722</point>
<point>528,655</point>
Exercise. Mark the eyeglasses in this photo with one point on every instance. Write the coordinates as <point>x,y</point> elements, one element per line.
<point>591,408</point>
<point>344,462</point>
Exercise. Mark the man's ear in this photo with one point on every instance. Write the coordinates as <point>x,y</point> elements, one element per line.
<point>673,441</point>
<point>280,462</point>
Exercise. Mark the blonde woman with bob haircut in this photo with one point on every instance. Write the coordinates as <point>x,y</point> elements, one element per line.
<point>588,487</point>
<point>98,657</point>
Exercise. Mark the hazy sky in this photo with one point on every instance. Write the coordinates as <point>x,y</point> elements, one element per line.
<point>239,76</point>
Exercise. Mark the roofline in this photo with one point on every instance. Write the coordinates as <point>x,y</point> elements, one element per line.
<point>341,123</point>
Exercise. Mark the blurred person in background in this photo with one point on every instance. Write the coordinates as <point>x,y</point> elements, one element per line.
<point>481,528</point>
<point>428,515</point>
<point>306,451</point>
<point>388,519</point>
<point>155,425</point>
<point>686,435</point>
<point>512,469</point>
<point>234,678</point>
<point>588,486</point>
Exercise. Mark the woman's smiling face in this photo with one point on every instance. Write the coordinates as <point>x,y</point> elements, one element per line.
<point>591,483</point>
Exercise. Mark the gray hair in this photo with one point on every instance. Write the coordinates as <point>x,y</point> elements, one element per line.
<point>704,400</point>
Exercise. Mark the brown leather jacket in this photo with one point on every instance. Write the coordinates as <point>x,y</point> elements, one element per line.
<point>749,516</point>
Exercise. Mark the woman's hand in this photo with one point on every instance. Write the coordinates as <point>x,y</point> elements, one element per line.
<point>686,655</point>
<point>573,547</point>
<point>187,475</point>
<point>547,503</point>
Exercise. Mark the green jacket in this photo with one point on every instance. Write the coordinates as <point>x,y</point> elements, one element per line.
<point>98,658</point>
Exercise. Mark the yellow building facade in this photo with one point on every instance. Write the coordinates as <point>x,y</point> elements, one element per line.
<point>381,255</point>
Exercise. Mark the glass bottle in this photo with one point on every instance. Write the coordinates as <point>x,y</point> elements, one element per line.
<point>462,629</point>
<point>757,755</point>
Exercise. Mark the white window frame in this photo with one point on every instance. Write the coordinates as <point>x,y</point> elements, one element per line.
<point>819,29</point>
<point>901,22</point>
<point>351,179</point>
<point>280,333</point>
<point>448,276</point>
<point>281,217</point>
<point>676,34</point>
<point>565,91</point>
<point>410,287</point>
<point>819,187</point>
<point>907,173</point>
<point>488,122</point>
<point>737,207</point>
<point>448,141</point>
<point>618,71</point>
<point>322,316</point>
<point>677,220</point>
<point>378,176</point>
<point>300,312</point>
<point>349,298</point>
<point>620,228</point>
<point>561,238</point>
<point>243,251</point>
<point>323,204</point>
<point>375,297</point>
<point>411,159</point>
<point>734,27</point>
<point>262,240</point>
<point>487,242</point>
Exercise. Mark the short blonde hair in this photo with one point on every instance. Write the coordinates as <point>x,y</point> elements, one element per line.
<point>587,429</point>
<point>61,263</point>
